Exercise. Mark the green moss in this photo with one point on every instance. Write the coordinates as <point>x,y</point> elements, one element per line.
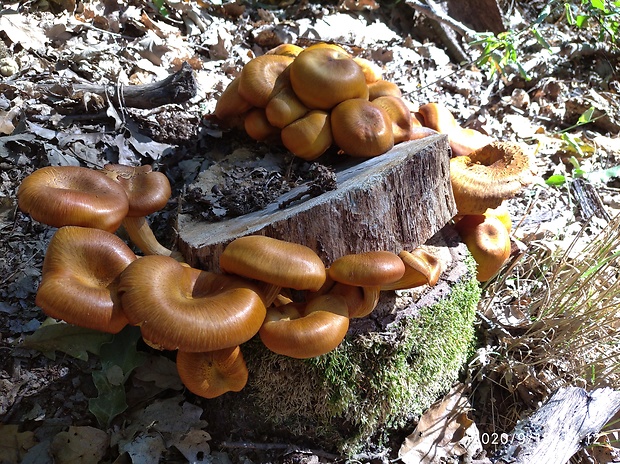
<point>371,382</point>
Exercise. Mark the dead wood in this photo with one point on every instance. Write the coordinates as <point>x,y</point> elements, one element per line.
<point>391,202</point>
<point>569,421</point>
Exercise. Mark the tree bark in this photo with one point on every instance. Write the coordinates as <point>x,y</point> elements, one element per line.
<point>391,202</point>
<point>567,422</point>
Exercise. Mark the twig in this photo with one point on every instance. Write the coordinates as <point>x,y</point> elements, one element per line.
<point>436,15</point>
<point>288,449</point>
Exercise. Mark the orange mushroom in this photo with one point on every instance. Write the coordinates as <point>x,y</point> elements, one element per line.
<point>488,176</point>
<point>372,71</point>
<point>213,373</point>
<point>369,270</point>
<point>284,108</point>
<point>399,115</point>
<point>257,125</point>
<point>73,195</point>
<point>262,77</point>
<point>148,191</point>
<point>310,136</point>
<point>80,278</point>
<point>362,129</point>
<point>382,88</point>
<point>322,77</point>
<point>230,105</point>
<point>421,268</point>
<point>488,242</point>
<point>179,307</point>
<point>307,330</point>
<point>286,49</point>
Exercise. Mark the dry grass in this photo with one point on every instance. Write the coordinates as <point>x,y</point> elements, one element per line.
<point>552,320</point>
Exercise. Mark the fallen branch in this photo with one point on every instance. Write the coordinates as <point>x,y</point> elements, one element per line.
<point>569,421</point>
<point>437,15</point>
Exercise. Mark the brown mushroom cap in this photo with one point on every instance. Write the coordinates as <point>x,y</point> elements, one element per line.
<point>148,191</point>
<point>361,128</point>
<point>382,88</point>
<point>370,269</point>
<point>262,77</point>
<point>80,278</point>
<point>310,136</point>
<point>421,267</point>
<point>284,108</point>
<point>438,117</point>
<point>230,105</point>
<point>372,71</point>
<point>322,77</point>
<point>286,49</point>
<point>274,261</point>
<point>179,307</point>
<point>73,195</point>
<point>306,330</point>
<point>213,373</point>
<point>487,240</point>
<point>257,125</point>
<point>399,115</point>
<point>489,175</point>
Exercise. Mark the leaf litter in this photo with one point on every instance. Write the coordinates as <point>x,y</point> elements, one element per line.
<point>46,121</point>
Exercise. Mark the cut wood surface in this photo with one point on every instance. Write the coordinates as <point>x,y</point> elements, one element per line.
<point>391,202</point>
<point>568,421</point>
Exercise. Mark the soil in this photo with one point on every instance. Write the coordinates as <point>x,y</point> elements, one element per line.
<point>132,43</point>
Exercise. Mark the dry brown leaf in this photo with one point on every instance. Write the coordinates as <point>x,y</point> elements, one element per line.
<point>80,445</point>
<point>444,431</point>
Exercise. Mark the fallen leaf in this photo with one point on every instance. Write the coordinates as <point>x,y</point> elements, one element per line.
<point>79,445</point>
<point>193,445</point>
<point>14,444</point>
<point>443,432</point>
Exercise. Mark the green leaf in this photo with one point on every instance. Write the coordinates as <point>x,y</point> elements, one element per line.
<point>540,39</point>
<point>580,20</point>
<point>543,14</point>
<point>598,4</point>
<point>75,341</point>
<point>119,358</point>
<point>586,117</point>
<point>556,180</point>
<point>570,19</point>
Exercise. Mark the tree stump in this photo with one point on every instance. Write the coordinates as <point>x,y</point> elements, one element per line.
<point>395,362</point>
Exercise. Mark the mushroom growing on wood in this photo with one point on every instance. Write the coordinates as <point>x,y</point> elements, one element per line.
<point>80,278</point>
<point>488,176</point>
<point>369,270</point>
<point>73,195</point>
<point>399,114</point>
<point>213,373</point>
<point>421,267</point>
<point>148,191</point>
<point>361,128</point>
<point>306,330</point>
<point>310,136</point>
<point>179,307</point>
<point>323,76</point>
<point>262,77</point>
<point>487,240</point>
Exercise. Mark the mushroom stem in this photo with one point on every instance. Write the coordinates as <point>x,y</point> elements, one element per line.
<point>141,235</point>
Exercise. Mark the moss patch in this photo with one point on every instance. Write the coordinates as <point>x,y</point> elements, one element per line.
<point>373,381</point>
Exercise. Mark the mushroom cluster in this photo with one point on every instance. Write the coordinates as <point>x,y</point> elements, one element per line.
<point>279,291</point>
<point>310,99</point>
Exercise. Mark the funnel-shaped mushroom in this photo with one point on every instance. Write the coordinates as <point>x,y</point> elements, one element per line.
<point>73,195</point>
<point>488,176</point>
<point>488,242</point>
<point>179,307</point>
<point>421,267</point>
<point>213,373</point>
<point>80,278</point>
<point>148,191</point>
<point>307,330</point>
<point>369,270</point>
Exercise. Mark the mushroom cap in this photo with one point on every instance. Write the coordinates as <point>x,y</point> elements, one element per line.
<point>230,105</point>
<point>179,307</point>
<point>438,117</point>
<point>487,240</point>
<point>501,213</point>
<point>361,129</point>
<point>148,191</point>
<point>370,269</point>
<point>464,141</point>
<point>277,262</point>
<point>284,108</point>
<point>262,77</point>
<point>488,176</point>
<point>322,77</point>
<point>399,115</point>
<point>372,71</point>
<point>80,278</point>
<point>306,330</point>
<point>382,88</point>
<point>421,267</point>
<point>361,301</point>
<point>310,136</point>
<point>213,373</point>
<point>257,126</point>
<point>286,49</point>
<point>73,195</point>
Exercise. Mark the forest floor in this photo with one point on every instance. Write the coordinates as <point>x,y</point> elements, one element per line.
<point>44,120</point>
